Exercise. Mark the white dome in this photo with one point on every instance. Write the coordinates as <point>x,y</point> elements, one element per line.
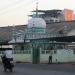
<point>36,22</point>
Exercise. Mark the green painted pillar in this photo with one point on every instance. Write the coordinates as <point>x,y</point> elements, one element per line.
<point>35,54</point>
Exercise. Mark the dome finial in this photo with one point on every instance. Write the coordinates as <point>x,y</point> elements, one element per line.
<point>36,9</point>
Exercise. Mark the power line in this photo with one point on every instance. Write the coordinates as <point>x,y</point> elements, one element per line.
<point>10,6</point>
<point>17,3</point>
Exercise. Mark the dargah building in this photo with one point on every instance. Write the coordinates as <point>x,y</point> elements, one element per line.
<point>36,41</point>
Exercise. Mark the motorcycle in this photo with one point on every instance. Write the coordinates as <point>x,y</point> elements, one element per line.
<point>8,64</point>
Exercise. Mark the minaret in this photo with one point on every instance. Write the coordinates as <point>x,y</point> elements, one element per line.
<point>37,9</point>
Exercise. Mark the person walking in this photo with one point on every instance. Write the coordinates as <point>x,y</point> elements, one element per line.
<point>50,57</point>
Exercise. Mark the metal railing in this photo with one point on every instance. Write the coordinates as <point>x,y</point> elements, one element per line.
<point>22,51</point>
<point>37,35</point>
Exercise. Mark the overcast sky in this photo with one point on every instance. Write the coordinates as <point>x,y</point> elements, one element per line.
<point>16,11</point>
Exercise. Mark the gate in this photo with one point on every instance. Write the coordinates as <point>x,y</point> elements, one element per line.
<point>35,55</point>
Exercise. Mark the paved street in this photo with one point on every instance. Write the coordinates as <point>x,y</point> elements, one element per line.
<point>40,69</point>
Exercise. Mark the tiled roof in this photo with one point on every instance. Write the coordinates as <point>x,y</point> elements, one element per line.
<point>6,32</point>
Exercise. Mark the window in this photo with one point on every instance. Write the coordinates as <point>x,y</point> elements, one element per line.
<point>48,52</point>
<point>43,52</point>
<point>51,20</point>
<point>60,32</point>
<point>73,51</point>
<point>22,47</point>
<point>55,51</point>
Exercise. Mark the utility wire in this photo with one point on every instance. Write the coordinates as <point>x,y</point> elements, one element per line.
<point>10,5</point>
<point>15,6</point>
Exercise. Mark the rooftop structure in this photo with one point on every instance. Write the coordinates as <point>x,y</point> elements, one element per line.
<point>56,15</point>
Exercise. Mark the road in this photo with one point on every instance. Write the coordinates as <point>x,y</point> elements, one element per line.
<point>40,69</point>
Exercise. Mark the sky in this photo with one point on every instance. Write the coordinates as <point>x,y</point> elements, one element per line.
<point>15,12</point>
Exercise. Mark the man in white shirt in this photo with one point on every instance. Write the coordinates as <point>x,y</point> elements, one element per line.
<point>8,54</point>
<point>7,59</point>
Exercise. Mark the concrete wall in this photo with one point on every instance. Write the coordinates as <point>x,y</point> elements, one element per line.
<point>23,57</point>
<point>61,56</point>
